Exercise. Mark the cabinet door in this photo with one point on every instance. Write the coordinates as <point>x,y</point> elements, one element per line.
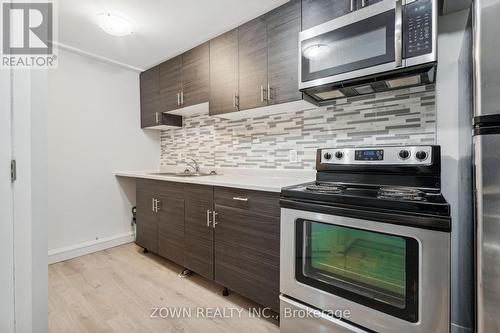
<point>170,84</point>
<point>315,12</point>
<point>171,228</point>
<point>147,222</point>
<point>283,28</point>
<point>198,241</point>
<point>150,96</point>
<point>252,64</point>
<point>224,73</point>
<point>195,76</point>
<point>247,250</point>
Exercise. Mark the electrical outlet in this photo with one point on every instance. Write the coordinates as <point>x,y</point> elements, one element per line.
<point>293,156</point>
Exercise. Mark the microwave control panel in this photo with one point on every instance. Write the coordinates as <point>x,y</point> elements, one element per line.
<point>418,28</point>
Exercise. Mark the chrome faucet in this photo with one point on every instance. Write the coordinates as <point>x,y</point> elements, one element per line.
<point>193,165</point>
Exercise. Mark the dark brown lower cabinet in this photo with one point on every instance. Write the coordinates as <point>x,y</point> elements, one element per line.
<point>147,222</point>
<point>241,252</point>
<point>198,233</point>
<point>171,228</point>
<point>247,254</point>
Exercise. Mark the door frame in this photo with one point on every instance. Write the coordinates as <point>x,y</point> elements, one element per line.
<point>23,204</point>
<point>7,303</point>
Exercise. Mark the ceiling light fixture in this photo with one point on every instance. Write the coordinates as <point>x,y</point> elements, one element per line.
<point>114,24</point>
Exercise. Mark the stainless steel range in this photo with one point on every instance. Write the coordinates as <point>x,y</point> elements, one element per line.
<point>367,246</point>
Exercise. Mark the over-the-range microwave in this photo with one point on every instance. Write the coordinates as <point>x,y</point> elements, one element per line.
<point>386,45</point>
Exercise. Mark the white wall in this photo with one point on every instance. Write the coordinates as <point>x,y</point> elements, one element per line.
<point>94,130</point>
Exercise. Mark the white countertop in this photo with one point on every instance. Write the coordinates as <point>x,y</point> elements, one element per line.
<point>250,179</point>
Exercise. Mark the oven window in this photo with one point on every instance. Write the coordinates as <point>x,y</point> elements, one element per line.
<point>360,45</point>
<point>375,269</point>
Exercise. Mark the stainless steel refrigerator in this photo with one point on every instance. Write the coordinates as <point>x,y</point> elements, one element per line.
<point>487,163</point>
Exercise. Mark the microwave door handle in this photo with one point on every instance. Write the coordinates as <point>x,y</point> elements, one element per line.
<point>398,34</point>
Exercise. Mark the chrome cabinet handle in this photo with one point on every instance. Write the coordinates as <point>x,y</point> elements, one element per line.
<point>157,115</point>
<point>240,199</point>
<point>363,3</point>
<point>236,101</point>
<point>178,99</point>
<point>262,94</point>
<point>214,222</point>
<point>398,32</point>
<point>158,207</point>
<point>208,217</point>
<point>182,97</point>
<point>269,95</point>
<point>352,5</point>
<point>153,204</point>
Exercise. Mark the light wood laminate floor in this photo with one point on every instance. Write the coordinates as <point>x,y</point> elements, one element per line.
<point>117,289</point>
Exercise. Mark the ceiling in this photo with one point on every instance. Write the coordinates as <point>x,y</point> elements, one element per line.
<point>162,28</point>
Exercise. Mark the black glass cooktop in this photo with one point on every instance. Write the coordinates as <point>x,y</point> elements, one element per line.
<point>399,199</point>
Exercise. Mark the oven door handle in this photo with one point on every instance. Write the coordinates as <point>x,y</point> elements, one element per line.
<point>398,34</point>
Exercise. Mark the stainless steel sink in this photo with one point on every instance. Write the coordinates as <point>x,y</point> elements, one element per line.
<point>184,174</point>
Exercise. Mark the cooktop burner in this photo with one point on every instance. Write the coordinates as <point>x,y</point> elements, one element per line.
<point>401,193</point>
<point>398,198</point>
<point>331,188</point>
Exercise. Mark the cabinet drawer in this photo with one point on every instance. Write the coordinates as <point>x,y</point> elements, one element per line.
<point>259,202</point>
<point>251,274</point>
<point>198,193</point>
<point>161,188</point>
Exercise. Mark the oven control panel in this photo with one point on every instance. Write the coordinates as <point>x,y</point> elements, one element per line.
<point>418,28</point>
<point>402,155</point>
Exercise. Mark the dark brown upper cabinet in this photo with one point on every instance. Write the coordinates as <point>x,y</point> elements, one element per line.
<point>283,28</point>
<point>224,73</point>
<point>150,98</point>
<point>195,75</point>
<point>262,57</point>
<point>252,66</point>
<point>252,37</point>
<point>171,84</point>
<point>315,12</point>
<point>152,115</point>
<point>184,80</point>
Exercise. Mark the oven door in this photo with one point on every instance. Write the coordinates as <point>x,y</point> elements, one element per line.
<point>365,42</point>
<point>391,278</point>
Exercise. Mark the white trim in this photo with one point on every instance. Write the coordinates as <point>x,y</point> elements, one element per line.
<point>73,251</point>
<point>97,57</point>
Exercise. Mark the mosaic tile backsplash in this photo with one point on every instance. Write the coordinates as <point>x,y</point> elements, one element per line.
<point>406,116</point>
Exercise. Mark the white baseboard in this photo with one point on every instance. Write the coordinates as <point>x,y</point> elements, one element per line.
<point>70,252</point>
